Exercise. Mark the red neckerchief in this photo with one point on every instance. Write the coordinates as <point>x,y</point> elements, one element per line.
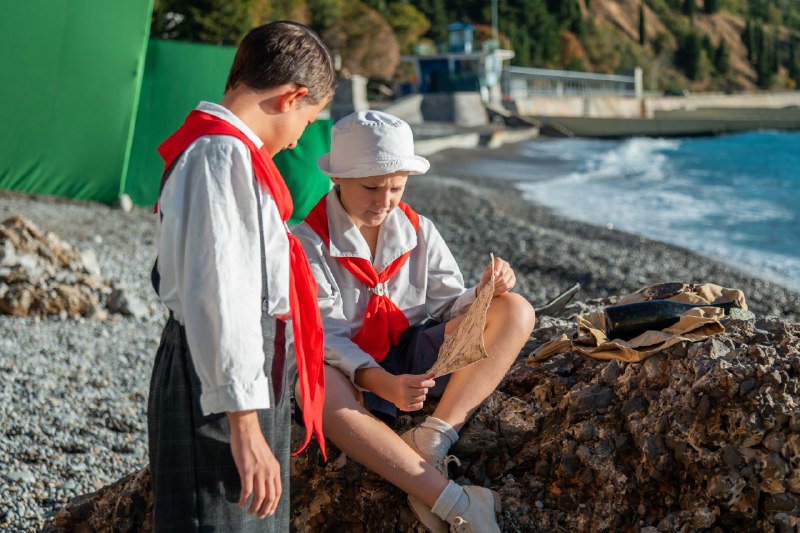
<point>384,322</point>
<point>306,320</point>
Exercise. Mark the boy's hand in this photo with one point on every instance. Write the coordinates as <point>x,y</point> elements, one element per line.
<point>504,277</point>
<point>408,391</point>
<point>259,471</point>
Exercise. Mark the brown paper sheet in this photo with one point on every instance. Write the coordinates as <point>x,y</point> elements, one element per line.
<point>465,345</point>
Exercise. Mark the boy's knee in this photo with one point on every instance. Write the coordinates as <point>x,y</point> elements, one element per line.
<point>525,312</point>
<point>516,311</point>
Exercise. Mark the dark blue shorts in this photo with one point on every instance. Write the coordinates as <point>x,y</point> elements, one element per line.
<point>416,352</point>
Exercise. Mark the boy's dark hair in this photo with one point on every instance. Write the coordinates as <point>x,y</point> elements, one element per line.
<point>284,52</point>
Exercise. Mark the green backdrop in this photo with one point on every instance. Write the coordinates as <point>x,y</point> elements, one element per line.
<point>87,99</point>
<point>177,76</point>
<point>72,72</point>
<point>299,168</point>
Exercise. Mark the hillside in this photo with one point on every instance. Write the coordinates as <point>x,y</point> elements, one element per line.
<point>623,15</point>
<point>701,45</point>
<point>719,45</point>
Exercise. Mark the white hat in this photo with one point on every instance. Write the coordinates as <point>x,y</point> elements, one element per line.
<point>371,143</point>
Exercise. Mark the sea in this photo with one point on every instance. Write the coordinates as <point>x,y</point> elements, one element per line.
<point>735,198</point>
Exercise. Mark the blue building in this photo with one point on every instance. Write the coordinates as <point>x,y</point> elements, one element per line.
<point>461,68</point>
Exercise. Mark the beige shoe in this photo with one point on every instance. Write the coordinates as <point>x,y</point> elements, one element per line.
<point>432,523</point>
<point>480,514</point>
<point>440,463</point>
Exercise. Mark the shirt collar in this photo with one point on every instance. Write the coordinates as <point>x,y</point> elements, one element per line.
<point>227,115</point>
<point>396,236</point>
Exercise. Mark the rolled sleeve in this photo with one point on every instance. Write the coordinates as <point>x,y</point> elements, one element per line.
<point>236,396</point>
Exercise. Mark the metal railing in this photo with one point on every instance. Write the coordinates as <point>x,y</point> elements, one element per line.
<point>523,82</point>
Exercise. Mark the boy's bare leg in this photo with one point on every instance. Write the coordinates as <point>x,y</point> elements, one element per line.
<point>509,323</point>
<point>371,443</point>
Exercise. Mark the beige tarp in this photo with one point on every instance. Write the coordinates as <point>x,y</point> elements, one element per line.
<point>694,325</point>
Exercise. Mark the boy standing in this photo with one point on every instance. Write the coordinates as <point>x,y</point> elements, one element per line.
<point>232,276</point>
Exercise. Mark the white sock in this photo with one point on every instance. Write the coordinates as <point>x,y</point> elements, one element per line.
<point>434,437</point>
<point>452,502</point>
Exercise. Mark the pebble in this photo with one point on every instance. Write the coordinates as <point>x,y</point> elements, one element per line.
<point>50,415</point>
<point>22,475</point>
<point>61,385</point>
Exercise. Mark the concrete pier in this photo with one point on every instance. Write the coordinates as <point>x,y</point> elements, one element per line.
<point>707,114</point>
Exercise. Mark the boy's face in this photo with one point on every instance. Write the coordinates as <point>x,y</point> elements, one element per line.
<point>291,125</point>
<point>369,201</point>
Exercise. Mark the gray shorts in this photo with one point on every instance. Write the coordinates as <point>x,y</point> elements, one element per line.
<point>414,354</point>
<point>195,481</point>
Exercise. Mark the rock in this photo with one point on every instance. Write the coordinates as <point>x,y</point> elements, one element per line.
<point>124,506</point>
<point>90,264</point>
<point>22,476</point>
<point>702,438</point>
<point>611,372</point>
<point>584,401</point>
<point>124,302</point>
<point>44,276</point>
<point>125,203</point>
<point>740,315</point>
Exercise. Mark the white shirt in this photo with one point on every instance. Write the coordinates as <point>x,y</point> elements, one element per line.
<point>428,285</point>
<point>209,260</point>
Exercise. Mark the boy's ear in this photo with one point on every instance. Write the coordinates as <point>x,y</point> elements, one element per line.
<point>291,97</point>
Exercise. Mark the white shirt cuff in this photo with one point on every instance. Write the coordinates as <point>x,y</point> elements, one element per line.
<point>233,397</point>
<point>350,367</point>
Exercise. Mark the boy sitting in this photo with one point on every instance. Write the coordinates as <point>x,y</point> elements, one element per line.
<point>389,290</point>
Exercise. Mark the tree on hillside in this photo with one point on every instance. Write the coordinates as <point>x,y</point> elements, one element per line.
<point>775,57</point>
<point>765,62</point>
<point>408,23</point>
<point>381,6</point>
<point>208,21</point>
<point>794,61</point>
<point>364,40</point>
<point>324,14</point>
<point>688,57</point>
<point>272,10</point>
<point>642,33</point>
<point>707,45</point>
<point>711,6</point>
<point>435,11</point>
<point>572,54</point>
<point>568,13</point>
<point>748,38</point>
<point>689,8</point>
<point>722,58</point>
<point>533,31</point>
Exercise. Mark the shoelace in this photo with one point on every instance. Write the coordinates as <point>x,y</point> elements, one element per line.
<point>459,525</point>
<point>441,464</point>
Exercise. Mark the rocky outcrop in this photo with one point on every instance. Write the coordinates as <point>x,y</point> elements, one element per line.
<point>700,437</point>
<point>40,275</point>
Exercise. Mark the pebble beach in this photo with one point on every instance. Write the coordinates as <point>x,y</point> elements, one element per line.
<point>73,394</point>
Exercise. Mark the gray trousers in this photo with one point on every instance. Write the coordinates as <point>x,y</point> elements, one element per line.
<point>196,486</point>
